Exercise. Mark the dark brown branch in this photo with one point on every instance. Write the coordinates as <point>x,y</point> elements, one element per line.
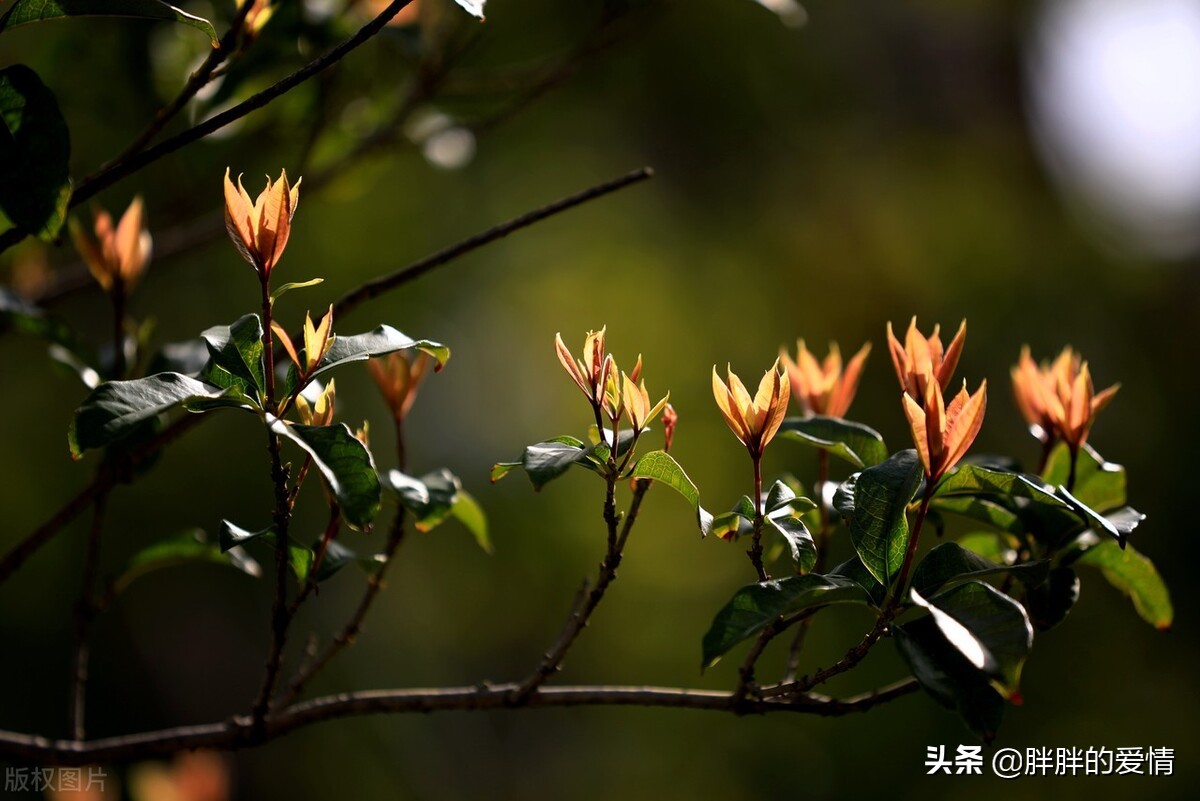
<point>377,287</point>
<point>196,81</point>
<point>236,733</point>
<point>108,176</point>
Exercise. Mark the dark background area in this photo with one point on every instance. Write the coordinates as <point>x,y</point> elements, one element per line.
<point>875,164</point>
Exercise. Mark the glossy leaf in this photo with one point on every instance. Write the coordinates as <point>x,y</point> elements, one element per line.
<point>981,510</point>
<point>756,605</point>
<point>473,7</point>
<point>345,464</point>
<point>1099,484</point>
<point>991,630</point>
<point>24,12</point>
<point>660,466</point>
<point>300,557</point>
<point>1049,603</point>
<point>236,355</point>
<point>950,563</point>
<point>858,444</point>
<point>35,150</point>
<point>1135,576</point>
<point>876,503</point>
<point>382,341</point>
<point>970,479</point>
<point>185,548</point>
<point>948,677</point>
<point>1095,520</point>
<point>798,538</point>
<point>113,410</point>
<point>854,570</point>
<point>545,461</point>
<point>338,556</point>
<point>988,545</point>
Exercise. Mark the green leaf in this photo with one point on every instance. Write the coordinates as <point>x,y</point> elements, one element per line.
<point>1135,576</point>
<point>948,677</point>
<point>467,511</point>
<point>854,570</point>
<point>113,410</point>
<point>35,150</point>
<point>338,556</point>
<point>236,352</point>
<point>300,557</point>
<point>545,461</point>
<point>987,627</point>
<point>1049,603</point>
<point>876,502</point>
<point>283,290</point>
<point>184,548</point>
<point>24,12</point>
<point>1099,484</point>
<point>1097,521</point>
<point>660,466</point>
<point>755,605</point>
<point>430,498</point>
<point>951,563</point>
<point>970,479</point>
<point>380,342</point>
<point>982,510</point>
<point>799,540</point>
<point>858,444</point>
<point>344,463</point>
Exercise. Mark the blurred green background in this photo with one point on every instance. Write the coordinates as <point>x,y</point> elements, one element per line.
<point>818,182</point>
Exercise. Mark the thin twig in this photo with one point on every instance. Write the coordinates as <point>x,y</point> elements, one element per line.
<point>196,81</point>
<point>234,733</point>
<point>378,286</point>
<point>106,177</point>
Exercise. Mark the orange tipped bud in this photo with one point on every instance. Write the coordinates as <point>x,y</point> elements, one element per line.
<point>1059,398</point>
<point>595,373</point>
<point>824,388</point>
<point>942,434</point>
<point>921,360</point>
<point>398,375</point>
<point>321,412</point>
<point>116,257</point>
<point>260,229</point>
<point>755,420</point>
<point>636,401</point>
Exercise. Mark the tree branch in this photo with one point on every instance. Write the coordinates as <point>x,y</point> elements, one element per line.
<point>107,176</point>
<point>236,732</point>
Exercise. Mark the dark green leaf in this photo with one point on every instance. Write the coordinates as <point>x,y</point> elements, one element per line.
<point>982,510</point>
<point>950,563</point>
<point>338,556</point>
<point>1135,576</point>
<point>948,677</point>
<point>23,12</point>
<point>344,463</point>
<point>1095,520</point>
<point>878,517</point>
<point>300,557</point>
<point>858,444</point>
<point>854,570</point>
<point>114,409</point>
<point>187,547</point>
<point>987,627</point>
<point>381,341</point>
<point>236,355</point>
<point>754,606</point>
<point>35,148</point>
<point>1049,602</point>
<point>969,479</point>
<point>799,540</point>
<point>430,498</point>
<point>1099,484</point>
<point>545,461</point>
